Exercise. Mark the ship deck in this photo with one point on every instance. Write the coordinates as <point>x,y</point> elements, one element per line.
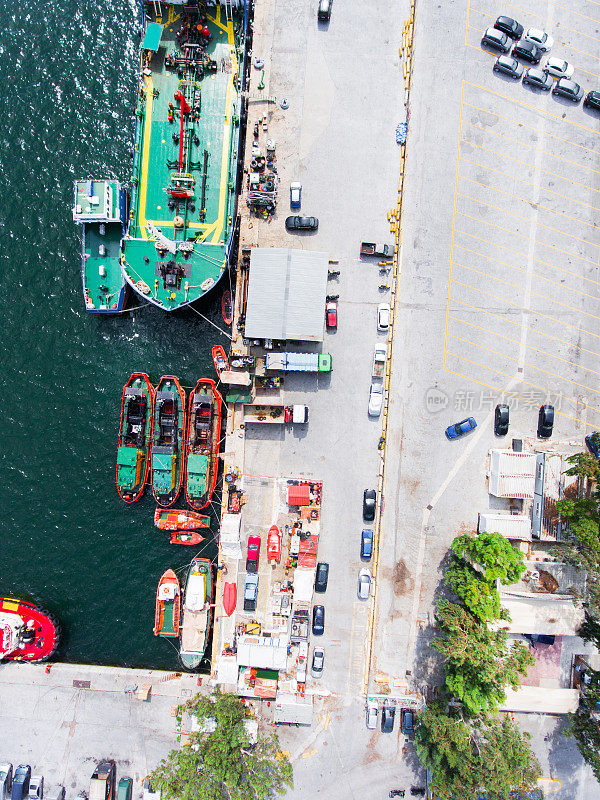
<point>102,290</point>
<point>211,139</point>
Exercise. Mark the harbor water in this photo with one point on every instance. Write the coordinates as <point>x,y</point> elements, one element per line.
<point>68,542</point>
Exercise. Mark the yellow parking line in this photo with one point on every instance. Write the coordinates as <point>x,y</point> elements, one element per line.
<point>531,366</point>
<point>525,163</point>
<point>528,183</point>
<point>520,217</point>
<point>530,146</point>
<point>537,110</point>
<point>543,278</point>
<point>518,288</point>
<point>534,331</point>
<point>501,390</point>
<point>529,202</point>
<point>522,380</point>
<point>528,238</point>
<point>528,346</point>
<point>462,96</point>
<point>522,308</point>
<point>536,260</point>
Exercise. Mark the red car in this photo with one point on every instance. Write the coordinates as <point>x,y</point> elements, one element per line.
<point>253,554</point>
<point>331,316</point>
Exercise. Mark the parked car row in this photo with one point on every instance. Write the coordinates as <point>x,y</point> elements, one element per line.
<point>501,423</point>
<point>22,785</point>
<point>506,35</point>
<point>388,714</point>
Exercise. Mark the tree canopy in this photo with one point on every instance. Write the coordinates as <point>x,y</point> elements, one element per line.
<point>479,662</point>
<point>468,757</point>
<point>499,559</point>
<point>222,764</point>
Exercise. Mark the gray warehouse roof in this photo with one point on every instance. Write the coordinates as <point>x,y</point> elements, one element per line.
<point>286,294</point>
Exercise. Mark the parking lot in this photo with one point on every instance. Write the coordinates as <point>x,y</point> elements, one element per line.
<point>499,299</point>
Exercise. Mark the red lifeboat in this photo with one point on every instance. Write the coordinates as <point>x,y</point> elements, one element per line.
<point>274,545</point>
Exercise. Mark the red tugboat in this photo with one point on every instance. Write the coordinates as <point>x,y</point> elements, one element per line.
<point>203,442</point>
<point>27,633</point>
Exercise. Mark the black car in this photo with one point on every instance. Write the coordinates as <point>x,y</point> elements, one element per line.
<point>592,100</point>
<point>496,39</point>
<point>324,10</point>
<point>545,422</point>
<point>501,417</point>
<point>565,87</point>
<point>407,721</point>
<point>538,79</point>
<point>593,444</point>
<point>528,51</point>
<point>302,223</point>
<point>369,503</point>
<point>388,712</point>
<point>508,66</point>
<point>321,577</point>
<point>510,27</point>
<point>318,621</point>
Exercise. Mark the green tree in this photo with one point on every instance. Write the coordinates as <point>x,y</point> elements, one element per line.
<point>221,764</point>
<point>585,465</point>
<point>468,757</point>
<point>590,629</point>
<point>479,596</point>
<point>499,559</point>
<point>586,730</point>
<point>479,662</point>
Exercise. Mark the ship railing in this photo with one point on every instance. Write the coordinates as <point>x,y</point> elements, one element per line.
<point>184,177</point>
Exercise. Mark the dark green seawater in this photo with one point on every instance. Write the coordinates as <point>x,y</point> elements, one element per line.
<point>69,543</point>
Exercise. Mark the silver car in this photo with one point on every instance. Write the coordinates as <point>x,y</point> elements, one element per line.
<point>364,583</point>
<point>318,662</point>
<point>372,711</point>
<point>6,779</point>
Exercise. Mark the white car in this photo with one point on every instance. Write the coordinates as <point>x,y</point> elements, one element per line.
<point>375,399</point>
<point>372,711</point>
<point>383,317</point>
<point>295,194</point>
<point>318,662</point>
<point>540,38</point>
<point>559,68</point>
<point>364,583</point>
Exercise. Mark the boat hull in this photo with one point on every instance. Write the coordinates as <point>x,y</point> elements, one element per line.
<point>219,357</point>
<point>177,519</point>
<point>168,606</point>
<point>229,598</point>
<point>199,180</point>
<point>197,614</point>
<point>202,443</point>
<point>21,640</point>
<point>133,457</point>
<point>168,441</point>
<point>186,537</point>
<point>227,307</point>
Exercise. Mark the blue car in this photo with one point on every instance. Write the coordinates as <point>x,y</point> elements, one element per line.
<point>466,425</point>
<point>366,545</point>
<point>593,444</point>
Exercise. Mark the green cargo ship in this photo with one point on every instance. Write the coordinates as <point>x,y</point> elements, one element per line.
<point>183,188</point>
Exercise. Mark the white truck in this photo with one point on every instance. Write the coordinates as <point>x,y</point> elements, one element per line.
<point>379,359</point>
